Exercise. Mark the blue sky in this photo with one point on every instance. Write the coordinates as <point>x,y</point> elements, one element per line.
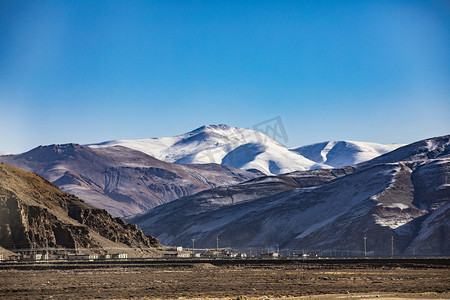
<point>90,71</point>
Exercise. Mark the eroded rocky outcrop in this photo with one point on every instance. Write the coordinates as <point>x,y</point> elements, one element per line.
<point>36,213</point>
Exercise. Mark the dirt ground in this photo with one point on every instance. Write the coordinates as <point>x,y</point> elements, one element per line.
<point>199,281</point>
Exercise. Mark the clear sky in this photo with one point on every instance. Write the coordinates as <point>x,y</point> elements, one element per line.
<point>90,71</point>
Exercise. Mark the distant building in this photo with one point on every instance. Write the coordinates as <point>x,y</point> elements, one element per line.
<point>30,256</point>
<point>60,256</point>
<point>224,253</point>
<point>88,257</point>
<point>170,255</point>
<point>270,255</point>
<point>120,256</point>
<point>300,255</point>
<point>15,257</point>
<point>211,253</point>
<point>36,256</point>
<point>183,254</point>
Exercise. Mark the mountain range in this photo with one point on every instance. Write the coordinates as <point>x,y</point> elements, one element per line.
<point>253,192</point>
<point>248,149</point>
<point>121,180</point>
<point>129,177</point>
<point>398,200</point>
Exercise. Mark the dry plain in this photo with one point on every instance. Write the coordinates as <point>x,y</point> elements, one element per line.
<point>229,280</point>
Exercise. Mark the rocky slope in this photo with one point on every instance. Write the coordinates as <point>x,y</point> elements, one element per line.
<point>121,180</point>
<point>403,194</point>
<point>36,213</point>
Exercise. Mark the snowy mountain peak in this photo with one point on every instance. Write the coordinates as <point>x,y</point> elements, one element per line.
<point>212,127</point>
<point>344,153</point>
<point>212,143</point>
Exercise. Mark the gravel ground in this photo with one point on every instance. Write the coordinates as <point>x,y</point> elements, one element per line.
<point>199,281</point>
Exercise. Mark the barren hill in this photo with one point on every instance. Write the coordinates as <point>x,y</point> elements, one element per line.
<point>35,211</point>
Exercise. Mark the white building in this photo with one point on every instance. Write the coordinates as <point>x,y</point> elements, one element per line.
<point>183,254</point>
<point>270,255</point>
<point>120,256</point>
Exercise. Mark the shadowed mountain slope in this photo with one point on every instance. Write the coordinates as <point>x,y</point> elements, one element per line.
<point>121,180</point>
<point>404,194</point>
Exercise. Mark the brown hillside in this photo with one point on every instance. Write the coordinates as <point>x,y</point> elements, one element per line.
<point>33,210</point>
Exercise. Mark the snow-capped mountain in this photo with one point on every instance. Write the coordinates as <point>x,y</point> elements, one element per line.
<point>404,194</point>
<point>344,153</point>
<point>207,144</point>
<point>248,149</point>
<point>122,180</point>
<point>230,146</point>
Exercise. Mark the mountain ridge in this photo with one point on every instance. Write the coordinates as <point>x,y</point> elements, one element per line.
<point>124,178</point>
<point>344,153</point>
<point>121,180</point>
<point>403,194</point>
<point>246,149</point>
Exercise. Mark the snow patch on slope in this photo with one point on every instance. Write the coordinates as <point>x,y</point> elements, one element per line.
<point>392,222</point>
<point>397,205</point>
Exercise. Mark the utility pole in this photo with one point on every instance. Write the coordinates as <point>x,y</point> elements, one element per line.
<point>365,246</point>
<point>217,244</point>
<point>47,256</point>
<point>392,246</point>
<point>193,251</point>
<point>34,250</point>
